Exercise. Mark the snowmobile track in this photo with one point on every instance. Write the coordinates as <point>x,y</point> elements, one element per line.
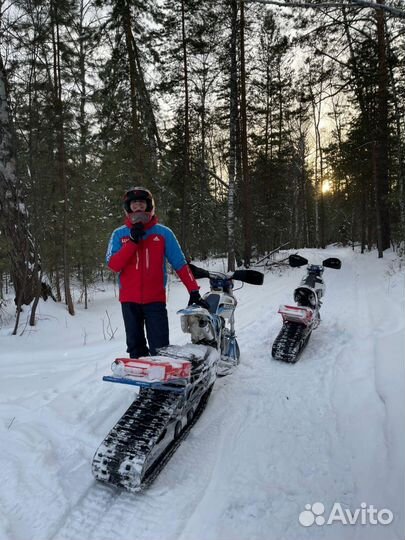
<point>290,342</point>
<point>154,471</point>
<point>122,458</point>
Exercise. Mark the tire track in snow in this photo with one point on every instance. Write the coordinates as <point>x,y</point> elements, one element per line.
<point>81,520</point>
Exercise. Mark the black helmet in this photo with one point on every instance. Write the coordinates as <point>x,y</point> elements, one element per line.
<point>139,194</point>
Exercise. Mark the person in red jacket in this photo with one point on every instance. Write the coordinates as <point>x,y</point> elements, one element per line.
<point>138,251</point>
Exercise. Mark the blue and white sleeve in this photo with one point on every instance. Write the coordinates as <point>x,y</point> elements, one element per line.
<point>173,251</point>
<point>114,245</point>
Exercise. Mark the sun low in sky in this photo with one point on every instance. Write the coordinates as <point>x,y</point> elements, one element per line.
<point>326,186</point>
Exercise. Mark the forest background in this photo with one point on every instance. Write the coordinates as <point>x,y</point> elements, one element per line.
<point>254,125</point>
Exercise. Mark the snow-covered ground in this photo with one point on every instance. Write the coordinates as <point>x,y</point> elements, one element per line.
<point>273,439</point>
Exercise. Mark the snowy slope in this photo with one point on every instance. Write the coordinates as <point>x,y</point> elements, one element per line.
<point>274,437</point>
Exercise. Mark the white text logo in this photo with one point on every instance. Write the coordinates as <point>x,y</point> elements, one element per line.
<point>365,515</point>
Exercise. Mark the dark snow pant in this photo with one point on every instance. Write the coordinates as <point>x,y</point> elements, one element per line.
<point>138,316</point>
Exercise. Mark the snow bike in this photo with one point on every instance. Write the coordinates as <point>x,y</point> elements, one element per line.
<point>299,321</point>
<point>174,387</point>
<point>222,304</point>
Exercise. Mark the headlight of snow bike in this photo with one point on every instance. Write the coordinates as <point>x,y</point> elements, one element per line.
<point>304,296</point>
<point>199,328</point>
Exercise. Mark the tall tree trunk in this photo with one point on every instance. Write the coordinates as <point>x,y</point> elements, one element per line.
<point>303,181</point>
<point>153,145</point>
<point>363,211</point>
<point>83,124</point>
<point>400,147</point>
<point>358,88</point>
<point>321,199</point>
<point>316,198</point>
<point>381,130</point>
<point>267,128</point>
<point>84,134</point>
<point>137,140</point>
<point>247,191</point>
<point>361,100</point>
<point>60,153</point>
<point>233,120</point>
<point>280,110</point>
<point>203,174</point>
<point>15,223</point>
<point>186,155</point>
<point>319,202</point>
<point>32,152</point>
<point>145,135</point>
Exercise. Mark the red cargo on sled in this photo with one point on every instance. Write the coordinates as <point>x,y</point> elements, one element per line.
<point>152,369</point>
<point>297,314</point>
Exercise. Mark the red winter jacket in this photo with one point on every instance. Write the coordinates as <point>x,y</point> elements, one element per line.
<point>142,266</point>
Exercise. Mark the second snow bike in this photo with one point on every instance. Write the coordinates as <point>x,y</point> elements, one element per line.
<point>299,321</point>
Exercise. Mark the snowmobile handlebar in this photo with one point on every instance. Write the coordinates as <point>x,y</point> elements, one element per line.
<point>296,260</point>
<point>253,277</point>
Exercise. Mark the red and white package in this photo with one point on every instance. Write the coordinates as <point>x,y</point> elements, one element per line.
<point>152,369</point>
<point>299,314</point>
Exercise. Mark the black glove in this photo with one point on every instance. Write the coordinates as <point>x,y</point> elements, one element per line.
<point>195,298</point>
<point>137,232</point>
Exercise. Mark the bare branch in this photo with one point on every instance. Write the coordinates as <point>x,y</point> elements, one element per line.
<point>354,4</point>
